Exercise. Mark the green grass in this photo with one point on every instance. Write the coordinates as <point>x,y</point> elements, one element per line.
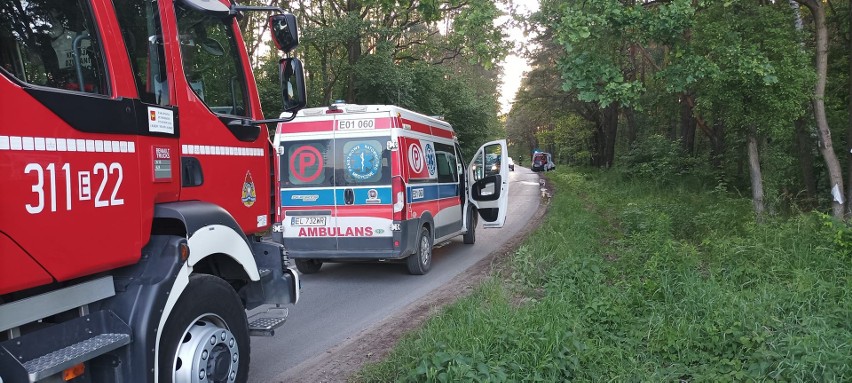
<point>627,281</point>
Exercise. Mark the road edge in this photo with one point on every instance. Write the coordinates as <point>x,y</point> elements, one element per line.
<point>342,361</point>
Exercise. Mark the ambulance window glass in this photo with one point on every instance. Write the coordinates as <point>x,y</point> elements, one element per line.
<point>363,162</point>
<point>211,61</point>
<point>139,22</point>
<point>492,165</point>
<point>52,43</point>
<point>446,163</point>
<point>492,159</point>
<point>307,163</point>
<point>478,168</point>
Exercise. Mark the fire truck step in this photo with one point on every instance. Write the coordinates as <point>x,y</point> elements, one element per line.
<point>59,360</point>
<point>46,352</point>
<point>265,323</point>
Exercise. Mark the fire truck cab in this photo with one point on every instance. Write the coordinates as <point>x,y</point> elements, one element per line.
<point>137,186</point>
<point>382,183</point>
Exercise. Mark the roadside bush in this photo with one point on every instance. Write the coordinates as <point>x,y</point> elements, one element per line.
<point>636,282</point>
<point>839,233</point>
<point>655,158</point>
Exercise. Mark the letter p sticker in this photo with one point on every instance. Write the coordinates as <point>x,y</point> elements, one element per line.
<point>306,164</point>
<point>306,160</point>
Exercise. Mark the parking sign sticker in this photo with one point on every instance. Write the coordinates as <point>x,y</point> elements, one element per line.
<point>306,164</point>
<point>415,158</point>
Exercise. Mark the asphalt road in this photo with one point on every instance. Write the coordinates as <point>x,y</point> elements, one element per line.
<point>344,299</point>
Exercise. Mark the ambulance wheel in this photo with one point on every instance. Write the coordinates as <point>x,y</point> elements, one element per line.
<point>420,262</point>
<point>308,266</point>
<point>469,238</point>
<point>206,337</point>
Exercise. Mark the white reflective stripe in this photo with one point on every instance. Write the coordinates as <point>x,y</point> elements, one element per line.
<point>297,286</point>
<point>216,150</point>
<point>209,240</point>
<point>181,281</point>
<point>56,144</point>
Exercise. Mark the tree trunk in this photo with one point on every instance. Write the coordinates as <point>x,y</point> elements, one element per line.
<point>610,129</point>
<point>803,138</point>
<point>717,139</point>
<point>327,85</point>
<point>756,177</point>
<point>673,125</point>
<point>598,155</point>
<point>687,127</point>
<point>630,117</point>
<point>795,6</point>
<point>353,50</point>
<point>827,147</point>
<point>806,161</point>
<point>629,112</point>
<point>849,112</point>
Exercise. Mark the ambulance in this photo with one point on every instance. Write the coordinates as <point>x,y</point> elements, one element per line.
<point>379,183</point>
<point>542,162</point>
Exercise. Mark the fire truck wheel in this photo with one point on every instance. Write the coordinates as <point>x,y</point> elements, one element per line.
<point>308,266</point>
<point>420,262</point>
<point>469,238</point>
<point>206,336</point>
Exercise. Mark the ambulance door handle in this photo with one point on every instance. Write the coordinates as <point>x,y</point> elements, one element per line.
<point>349,196</point>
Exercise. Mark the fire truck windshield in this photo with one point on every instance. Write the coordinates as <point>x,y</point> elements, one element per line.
<point>52,43</point>
<point>211,60</point>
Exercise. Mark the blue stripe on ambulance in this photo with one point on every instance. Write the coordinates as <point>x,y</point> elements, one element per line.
<point>423,193</point>
<point>362,195</point>
<point>325,197</point>
<point>307,197</point>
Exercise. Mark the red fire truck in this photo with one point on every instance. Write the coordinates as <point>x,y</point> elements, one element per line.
<point>138,179</point>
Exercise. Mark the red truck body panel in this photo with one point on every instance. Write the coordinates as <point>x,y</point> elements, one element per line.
<point>77,203</point>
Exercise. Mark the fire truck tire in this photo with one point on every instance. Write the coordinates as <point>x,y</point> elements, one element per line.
<point>420,262</point>
<point>308,266</point>
<point>206,336</point>
<point>469,238</point>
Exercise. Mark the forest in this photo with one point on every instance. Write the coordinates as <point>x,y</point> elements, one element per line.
<point>749,96</point>
<point>752,96</point>
<point>436,57</point>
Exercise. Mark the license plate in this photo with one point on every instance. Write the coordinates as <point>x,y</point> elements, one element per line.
<point>308,221</point>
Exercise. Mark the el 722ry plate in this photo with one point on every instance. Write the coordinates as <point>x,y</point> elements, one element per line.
<point>308,221</point>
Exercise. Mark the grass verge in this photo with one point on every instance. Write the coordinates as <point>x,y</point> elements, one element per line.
<point>631,281</point>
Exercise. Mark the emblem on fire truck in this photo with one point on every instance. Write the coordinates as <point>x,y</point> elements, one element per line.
<point>249,193</point>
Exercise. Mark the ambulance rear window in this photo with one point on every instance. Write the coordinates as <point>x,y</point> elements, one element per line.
<point>307,163</point>
<point>365,162</point>
<point>340,162</point>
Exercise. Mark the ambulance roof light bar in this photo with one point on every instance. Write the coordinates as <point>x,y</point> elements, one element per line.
<point>336,107</point>
<point>340,106</point>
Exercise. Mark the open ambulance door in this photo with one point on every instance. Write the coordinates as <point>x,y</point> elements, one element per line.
<point>488,182</point>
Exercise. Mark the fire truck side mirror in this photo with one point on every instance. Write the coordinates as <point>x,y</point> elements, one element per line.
<point>292,84</point>
<point>285,34</point>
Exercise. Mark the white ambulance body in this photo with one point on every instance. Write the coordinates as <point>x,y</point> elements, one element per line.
<point>381,183</point>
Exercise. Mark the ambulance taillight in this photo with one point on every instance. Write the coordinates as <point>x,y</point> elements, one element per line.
<point>398,188</point>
